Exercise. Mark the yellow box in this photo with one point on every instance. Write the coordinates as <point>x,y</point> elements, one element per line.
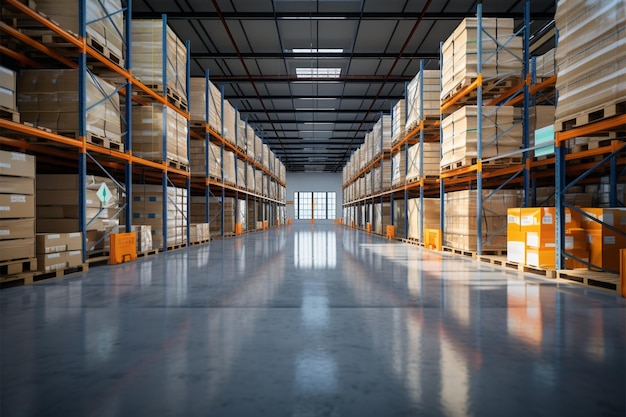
<point>604,246</point>
<point>541,258</point>
<point>582,254</point>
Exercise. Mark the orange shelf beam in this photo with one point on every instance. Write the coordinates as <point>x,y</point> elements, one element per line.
<point>20,57</point>
<point>453,100</point>
<point>602,125</point>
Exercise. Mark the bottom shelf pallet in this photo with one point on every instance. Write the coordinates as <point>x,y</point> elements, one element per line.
<point>502,261</point>
<point>28,278</point>
<point>603,280</point>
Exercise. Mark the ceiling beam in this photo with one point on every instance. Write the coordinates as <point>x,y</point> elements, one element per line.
<point>316,56</point>
<point>201,15</point>
<point>307,110</point>
<point>319,96</point>
<point>367,79</point>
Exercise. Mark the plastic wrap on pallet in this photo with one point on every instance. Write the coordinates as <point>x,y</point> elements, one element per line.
<point>258,181</point>
<point>399,168</point>
<point>266,157</point>
<point>229,122</point>
<point>431,158</point>
<point>545,65</point>
<point>591,55</point>
<point>242,213</point>
<point>148,58</point>
<point>105,27</point>
<point>49,98</point>
<point>258,149</point>
<point>198,159</point>
<point>376,184</point>
<point>385,121</point>
<point>250,141</point>
<point>399,121</point>
<point>229,168</point>
<point>368,183</point>
<point>241,135</point>
<point>429,100</point>
<point>148,133</point>
<point>241,173</point>
<point>501,134</point>
<point>148,210</point>
<point>250,185</point>
<point>198,99</point>
<point>460,53</point>
<point>461,218</point>
<point>430,215</point>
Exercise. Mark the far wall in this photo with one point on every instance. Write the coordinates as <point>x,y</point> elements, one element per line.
<point>313,181</point>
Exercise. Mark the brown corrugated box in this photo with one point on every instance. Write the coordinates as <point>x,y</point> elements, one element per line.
<point>17,185</point>
<point>16,205</point>
<point>74,258</point>
<point>51,242</point>
<point>65,197</point>
<point>17,249</point>
<point>52,261</point>
<point>17,164</point>
<point>17,228</point>
<point>74,241</point>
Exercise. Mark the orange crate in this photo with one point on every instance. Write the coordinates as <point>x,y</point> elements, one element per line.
<point>123,247</point>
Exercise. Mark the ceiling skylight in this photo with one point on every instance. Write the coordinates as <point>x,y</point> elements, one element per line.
<point>318,72</point>
<point>317,51</point>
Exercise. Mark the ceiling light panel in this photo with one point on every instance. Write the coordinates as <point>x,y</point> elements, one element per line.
<point>316,72</point>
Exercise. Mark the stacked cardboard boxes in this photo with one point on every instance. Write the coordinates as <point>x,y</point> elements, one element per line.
<point>430,214</point>
<point>501,134</point>
<point>423,98</point>
<point>198,103</point>
<point>460,53</point>
<point>431,160</point>
<point>150,56</point>
<point>605,243</point>
<point>399,168</point>
<point>59,250</point>
<point>8,81</point>
<point>148,210</point>
<point>143,234</point>
<point>49,98</point>
<point>148,135</point>
<point>58,201</point>
<point>105,31</point>
<point>17,210</point>
<point>460,223</point>
<point>199,232</point>
<point>399,121</point>
<point>198,161</point>
<point>230,123</point>
<point>591,57</point>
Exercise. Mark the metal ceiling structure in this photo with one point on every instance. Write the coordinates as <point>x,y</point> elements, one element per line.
<point>314,76</point>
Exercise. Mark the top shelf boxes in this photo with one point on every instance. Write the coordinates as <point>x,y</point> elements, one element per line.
<point>149,55</point>
<point>460,54</point>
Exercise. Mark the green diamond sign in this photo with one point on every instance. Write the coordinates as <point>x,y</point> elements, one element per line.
<point>104,194</point>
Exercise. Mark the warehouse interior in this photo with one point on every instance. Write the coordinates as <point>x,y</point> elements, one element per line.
<point>312,207</point>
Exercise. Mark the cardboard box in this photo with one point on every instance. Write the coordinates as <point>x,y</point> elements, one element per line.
<point>52,261</point>
<point>17,164</point>
<point>17,228</point>
<point>582,254</point>
<point>516,251</point>
<point>604,246</point>
<point>74,241</point>
<point>144,237</point>
<point>50,242</point>
<point>16,205</point>
<point>65,197</point>
<point>74,258</point>
<point>17,249</point>
<point>541,258</point>
<point>17,185</point>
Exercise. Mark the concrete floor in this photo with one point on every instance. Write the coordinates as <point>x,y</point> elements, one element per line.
<point>303,321</point>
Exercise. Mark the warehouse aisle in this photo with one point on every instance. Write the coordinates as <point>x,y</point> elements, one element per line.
<point>303,321</point>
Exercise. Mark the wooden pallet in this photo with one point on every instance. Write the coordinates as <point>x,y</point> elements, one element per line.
<point>200,242</point>
<point>17,266</point>
<point>178,165</point>
<point>42,128</point>
<point>173,97</point>
<point>592,115</point>
<point>490,164</point>
<point>602,280</point>
<point>174,247</point>
<point>95,140</point>
<point>491,89</point>
<point>105,51</point>
<point>413,241</point>
<point>28,278</point>
<point>458,251</point>
<point>9,114</point>
<point>502,261</point>
<point>147,253</point>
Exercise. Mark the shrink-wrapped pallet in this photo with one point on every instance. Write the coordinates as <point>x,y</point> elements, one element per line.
<point>148,135</point>
<point>501,134</point>
<point>198,212</point>
<point>198,160</point>
<point>399,168</point>
<point>460,53</point>
<point>230,122</point>
<point>430,166</point>
<point>240,166</point>
<point>105,30</point>
<point>460,223</point>
<point>258,149</point>
<point>250,141</point>
<point>258,181</point>
<point>148,210</point>
<point>250,186</point>
<point>49,98</point>
<point>429,216</point>
<point>545,65</point>
<point>150,55</point>
<point>591,58</point>
<point>385,122</point>
<point>376,183</point>
<point>399,121</point>
<point>423,98</point>
<point>229,167</point>
<point>198,103</point>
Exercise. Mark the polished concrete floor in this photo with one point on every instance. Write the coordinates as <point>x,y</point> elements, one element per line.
<point>304,321</point>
